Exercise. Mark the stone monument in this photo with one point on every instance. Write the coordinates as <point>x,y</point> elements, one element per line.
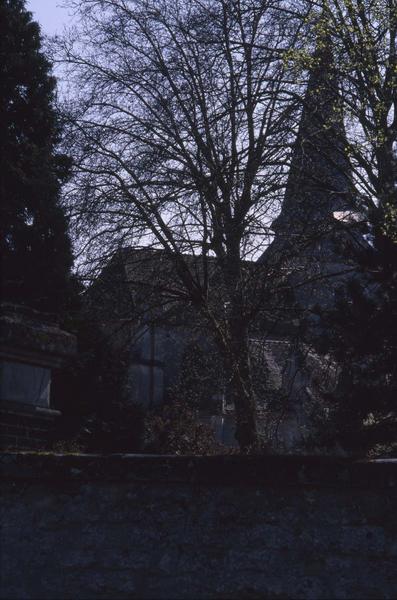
<point>31,347</point>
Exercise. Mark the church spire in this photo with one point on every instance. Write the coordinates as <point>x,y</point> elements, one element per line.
<point>311,249</point>
<point>318,182</point>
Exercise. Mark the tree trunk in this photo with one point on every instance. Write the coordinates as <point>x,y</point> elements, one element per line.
<point>240,392</point>
<point>239,376</point>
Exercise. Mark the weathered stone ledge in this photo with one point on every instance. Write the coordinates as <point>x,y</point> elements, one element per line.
<point>29,336</point>
<point>264,471</point>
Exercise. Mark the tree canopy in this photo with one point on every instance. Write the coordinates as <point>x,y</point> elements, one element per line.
<point>181,129</point>
<point>36,256</point>
<point>182,124</point>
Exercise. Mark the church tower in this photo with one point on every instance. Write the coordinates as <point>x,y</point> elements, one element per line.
<point>316,236</point>
<point>316,224</point>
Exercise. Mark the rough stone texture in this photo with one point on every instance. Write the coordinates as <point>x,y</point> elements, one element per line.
<point>25,430</point>
<point>29,336</point>
<point>202,527</point>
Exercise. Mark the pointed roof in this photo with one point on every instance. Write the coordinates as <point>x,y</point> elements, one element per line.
<point>318,182</point>
<point>316,234</point>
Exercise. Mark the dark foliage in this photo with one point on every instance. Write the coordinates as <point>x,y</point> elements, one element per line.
<point>176,429</point>
<point>34,243</point>
<point>95,414</point>
<point>361,334</point>
<point>201,380</point>
<point>119,429</point>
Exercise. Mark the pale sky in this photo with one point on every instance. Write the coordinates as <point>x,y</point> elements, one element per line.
<point>50,14</point>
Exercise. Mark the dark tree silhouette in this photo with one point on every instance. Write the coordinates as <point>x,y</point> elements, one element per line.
<point>36,256</point>
<point>361,335</point>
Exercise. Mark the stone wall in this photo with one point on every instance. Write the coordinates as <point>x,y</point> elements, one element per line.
<point>202,527</point>
<point>27,428</point>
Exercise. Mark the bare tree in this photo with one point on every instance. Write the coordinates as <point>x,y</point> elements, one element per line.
<point>363,36</point>
<point>180,126</point>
